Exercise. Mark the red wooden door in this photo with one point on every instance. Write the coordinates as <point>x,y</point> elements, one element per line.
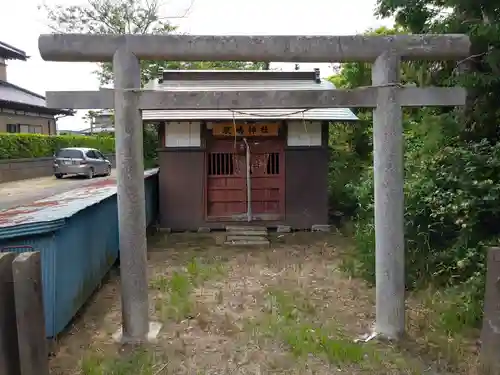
<point>267,179</point>
<point>227,179</point>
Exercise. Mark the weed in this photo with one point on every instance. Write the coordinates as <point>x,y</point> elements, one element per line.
<point>175,301</point>
<point>200,272</point>
<point>219,297</point>
<point>440,323</point>
<point>291,317</point>
<point>139,362</point>
<point>454,311</point>
<point>350,266</point>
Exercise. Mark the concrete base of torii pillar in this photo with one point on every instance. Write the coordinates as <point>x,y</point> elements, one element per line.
<point>151,336</point>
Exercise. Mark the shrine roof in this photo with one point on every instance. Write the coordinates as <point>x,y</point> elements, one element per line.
<point>244,80</point>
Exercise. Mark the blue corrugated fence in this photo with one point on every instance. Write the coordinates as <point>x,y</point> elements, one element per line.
<point>77,236</point>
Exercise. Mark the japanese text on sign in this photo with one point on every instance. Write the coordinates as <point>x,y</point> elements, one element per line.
<point>246,130</point>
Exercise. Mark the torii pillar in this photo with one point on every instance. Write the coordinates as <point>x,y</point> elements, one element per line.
<point>131,198</point>
<point>385,52</point>
<point>389,198</point>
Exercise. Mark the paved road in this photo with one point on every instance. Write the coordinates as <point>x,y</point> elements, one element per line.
<point>26,191</point>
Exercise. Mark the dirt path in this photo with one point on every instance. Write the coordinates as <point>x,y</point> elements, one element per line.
<point>287,309</point>
<point>21,192</point>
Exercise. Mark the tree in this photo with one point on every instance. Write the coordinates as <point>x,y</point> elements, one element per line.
<point>450,157</point>
<point>128,17</point>
<point>352,75</point>
<point>90,116</point>
<point>480,19</point>
<point>357,74</point>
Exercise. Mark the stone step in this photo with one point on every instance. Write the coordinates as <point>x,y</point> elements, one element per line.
<point>247,233</point>
<point>245,238</point>
<point>245,228</point>
<point>247,243</point>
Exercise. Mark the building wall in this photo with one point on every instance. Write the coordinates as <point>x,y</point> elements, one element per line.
<point>182,176</point>
<point>306,163</point>
<point>182,134</point>
<point>304,133</point>
<point>181,188</point>
<point>103,121</point>
<point>35,122</point>
<point>3,69</point>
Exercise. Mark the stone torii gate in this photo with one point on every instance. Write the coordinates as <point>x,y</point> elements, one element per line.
<point>386,96</point>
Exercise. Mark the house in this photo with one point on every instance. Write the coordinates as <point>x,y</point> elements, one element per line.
<point>70,132</point>
<point>100,122</point>
<point>103,119</point>
<point>23,111</point>
<point>267,167</point>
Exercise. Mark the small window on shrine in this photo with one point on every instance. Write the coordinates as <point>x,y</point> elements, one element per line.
<point>273,164</point>
<point>220,164</point>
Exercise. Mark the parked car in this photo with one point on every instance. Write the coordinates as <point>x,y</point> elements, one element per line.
<point>80,161</point>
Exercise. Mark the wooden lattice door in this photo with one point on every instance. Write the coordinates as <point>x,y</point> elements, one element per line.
<point>227,180</point>
<point>267,179</point>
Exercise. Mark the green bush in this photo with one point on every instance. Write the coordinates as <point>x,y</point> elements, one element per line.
<point>150,136</point>
<point>452,207</point>
<point>19,146</point>
<point>452,211</point>
<point>344,171</point>
<point>350,151</point>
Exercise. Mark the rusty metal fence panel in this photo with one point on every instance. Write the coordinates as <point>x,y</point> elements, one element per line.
<point>77,250</point>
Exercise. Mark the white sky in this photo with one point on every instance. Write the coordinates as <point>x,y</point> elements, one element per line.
<point>21,23</point>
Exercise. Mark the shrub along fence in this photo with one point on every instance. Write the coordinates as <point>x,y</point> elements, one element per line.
<point>24,156</point>
<point>28,146</point>
<point>21,169</point>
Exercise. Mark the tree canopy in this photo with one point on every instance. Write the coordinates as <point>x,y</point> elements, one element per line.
<point>128,17</point>
<point>480,20</point>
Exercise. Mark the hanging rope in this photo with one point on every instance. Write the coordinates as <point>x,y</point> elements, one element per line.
<point>267,115</point>
<point>141,90</point>
<point>304,122</point>
<point>234,130</point>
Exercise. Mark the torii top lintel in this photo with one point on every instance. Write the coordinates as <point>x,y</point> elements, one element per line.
<point>99,48</point>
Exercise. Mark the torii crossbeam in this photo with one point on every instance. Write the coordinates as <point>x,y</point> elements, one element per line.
<point>386,96</point>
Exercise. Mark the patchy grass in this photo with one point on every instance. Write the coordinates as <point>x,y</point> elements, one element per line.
<point>138,362</point>
<point>174,301</point>
<point>292,317</point>
<point>440,333</point>
<point>286,309</point>
<point>438,326</point>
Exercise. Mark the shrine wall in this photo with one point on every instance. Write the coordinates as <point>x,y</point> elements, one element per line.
<point>182,177</point>
<point>182,134</point>
<point>306,180</point>
<point>304,133</point>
